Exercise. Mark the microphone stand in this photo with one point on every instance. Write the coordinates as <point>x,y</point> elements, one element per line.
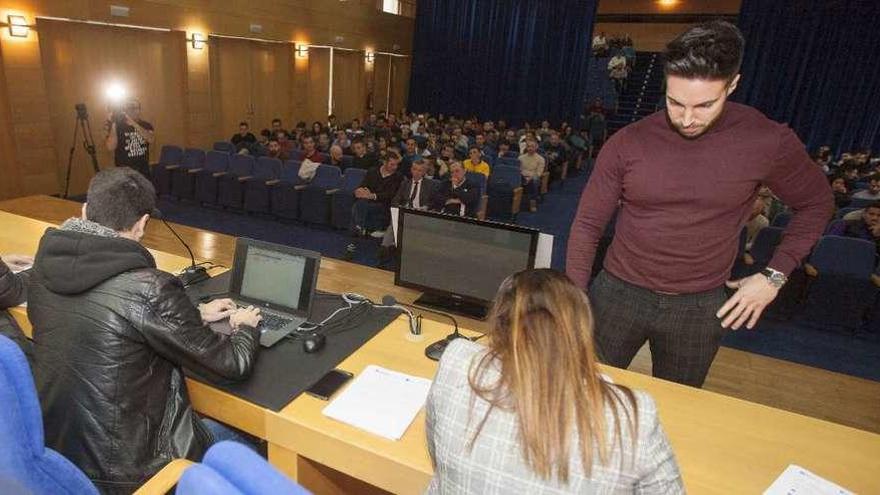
<point>435,350</point>
<point>192,274</point>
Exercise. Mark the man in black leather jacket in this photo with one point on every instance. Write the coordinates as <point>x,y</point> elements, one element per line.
<point>111,336</point>
<point>13,291</point>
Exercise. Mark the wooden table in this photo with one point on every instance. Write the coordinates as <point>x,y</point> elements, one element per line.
<point>724,445</point>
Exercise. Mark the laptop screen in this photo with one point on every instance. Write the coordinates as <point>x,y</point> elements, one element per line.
<point>274,278</point>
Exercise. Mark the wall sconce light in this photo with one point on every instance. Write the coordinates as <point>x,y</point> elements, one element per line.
<point>18,26</point>
<point>198,41</point>
<point>370,57</point>
<point>302,51</point>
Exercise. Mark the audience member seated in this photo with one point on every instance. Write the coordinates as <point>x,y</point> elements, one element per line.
<point>262,146</point>
<point>840,190</point>
<point>244,140</point>
<point>417,192</point>
<point>273,150</point>
<point>757,221</point>
<point>850,171</point>
<point>332,124</point>
<point>317,128</point>
<point>370,212</point>
<point>336,157</point>
<point>531,412</point>
<point>278,127</point>
<point>457,195</point>
<point>109,367</point>
<point>600,45</point>
<point>323,143</point>
<point>873,190</point>
<point>556,155</point>
<point>867,227</point>
<point>362,159</point>
<point>481,144</point>
<point>342,141</point>
<point>287,144</point>
<point>447,156</point>
<point>13,291</point>
<point>311,159</point>
<point>411,154</point>
<point>532,167</point>
<point>504,149</point>
<point>475,162</point>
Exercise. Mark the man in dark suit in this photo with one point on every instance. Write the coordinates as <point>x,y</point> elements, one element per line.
<point>458,195</point>
<point>418,193</point>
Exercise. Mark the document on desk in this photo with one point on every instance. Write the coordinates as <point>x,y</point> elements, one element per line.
<point>380,401</point>
<point>796,480</point>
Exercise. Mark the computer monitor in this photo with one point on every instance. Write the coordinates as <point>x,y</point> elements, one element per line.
<point>459,262</point>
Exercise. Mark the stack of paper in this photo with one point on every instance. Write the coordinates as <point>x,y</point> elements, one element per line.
<point>381,401</point>
<point>796,480</point>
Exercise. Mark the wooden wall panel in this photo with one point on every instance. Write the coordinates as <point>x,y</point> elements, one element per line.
<point>381,78</point>
<point>80,60</point>
<point>400,67</point>
<point>318,85</point>
<point>349,85</point>
<point>271,72</point>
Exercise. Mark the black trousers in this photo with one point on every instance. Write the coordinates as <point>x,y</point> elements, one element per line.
<point>682,330</point>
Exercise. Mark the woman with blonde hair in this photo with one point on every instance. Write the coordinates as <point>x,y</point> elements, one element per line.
<point>531,412</point>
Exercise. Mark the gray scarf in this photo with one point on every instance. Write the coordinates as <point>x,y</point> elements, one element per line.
<point>77,224</point>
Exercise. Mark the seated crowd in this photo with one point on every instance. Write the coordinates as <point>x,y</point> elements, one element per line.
<point>399,151</point>
<point>855,182</point>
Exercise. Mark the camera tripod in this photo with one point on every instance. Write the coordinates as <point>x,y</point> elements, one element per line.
<point>81,125</point>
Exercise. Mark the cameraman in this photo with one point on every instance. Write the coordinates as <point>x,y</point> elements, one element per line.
<point>129,138</point>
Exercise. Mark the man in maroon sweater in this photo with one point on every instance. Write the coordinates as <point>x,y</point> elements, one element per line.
<point>685,180</point>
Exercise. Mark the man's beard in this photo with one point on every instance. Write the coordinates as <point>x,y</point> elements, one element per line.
<point>692,137</point>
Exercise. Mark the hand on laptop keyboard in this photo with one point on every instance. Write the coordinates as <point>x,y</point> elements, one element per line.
<point>249,316</point>
<point>217,310</point>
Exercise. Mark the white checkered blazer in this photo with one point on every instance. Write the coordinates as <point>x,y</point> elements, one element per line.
<point>496,465</point>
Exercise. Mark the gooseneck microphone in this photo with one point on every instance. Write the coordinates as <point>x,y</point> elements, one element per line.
<point>194,273</point>
<point>436,349</point>
<point>415,324</point>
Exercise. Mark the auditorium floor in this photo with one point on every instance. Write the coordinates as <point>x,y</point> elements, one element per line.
<point>811,391</point>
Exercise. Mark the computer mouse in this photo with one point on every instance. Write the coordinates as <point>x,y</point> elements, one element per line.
<point>314,342</point>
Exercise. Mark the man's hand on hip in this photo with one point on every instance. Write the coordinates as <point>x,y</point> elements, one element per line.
<point>752,296</point>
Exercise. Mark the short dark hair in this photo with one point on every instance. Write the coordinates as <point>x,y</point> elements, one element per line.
<point>875,204</point>
<point>711,50</point>
<point>266,132</point>
<point>243,123</point>
<point>276,119</point>
<point>118,197</point>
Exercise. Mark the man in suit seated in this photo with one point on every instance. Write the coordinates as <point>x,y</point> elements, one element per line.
<point>458,195</point>
<point>867,227</point>
<point>417,193</point>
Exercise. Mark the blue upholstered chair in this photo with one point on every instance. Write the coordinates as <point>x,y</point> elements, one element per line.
<point>315,198</point>
<point>256,189</point>
<point>25,462</point>
<point>479,209</point>
<point>229,468</point>
<point>284,193</point>
<point>224,147</point>
<point>216,162</point>
<point>343,199</point>
<point>182,181</point>
<point>505,192</point>
<point>169,158</point>
<point>230,186</point>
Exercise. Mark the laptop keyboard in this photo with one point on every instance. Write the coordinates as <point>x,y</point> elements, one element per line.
<point>273,322</point>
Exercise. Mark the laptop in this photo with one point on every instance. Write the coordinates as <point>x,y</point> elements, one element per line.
<point>280,280</point>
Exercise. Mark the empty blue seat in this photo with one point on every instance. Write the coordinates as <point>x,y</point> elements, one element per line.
<point>844,212</point>
<point>347,162</point>
<point>224,147</point>
<point>861,203</point>
<point>505,193</point>
<point>230,468</point>
<point>840,292</point>
<point>216,162</point>
<point>509,161</point>
<point>182,182</point>
<point>284,194</point>
<point>256,189</point>
<point>343,199</point>
<point>230,186</point>
<point>315,197</point>
<point>762,249</point>
<point>170,158</point>
<point>781,219</point>
<point>479,208</point>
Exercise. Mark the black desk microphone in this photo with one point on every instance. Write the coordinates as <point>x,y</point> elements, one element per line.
<point>192,274</point>
<point>435,350</point>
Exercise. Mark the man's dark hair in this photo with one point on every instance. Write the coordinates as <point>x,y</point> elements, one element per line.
<point>357,141</point>
<point>392,154</point>
<point>875,204</point>
<point>118,197</point>
<point>266,132</point>
<point>711,50</point>
<point>276,119</point>
<point>243,123</point>
<point>273,140</point>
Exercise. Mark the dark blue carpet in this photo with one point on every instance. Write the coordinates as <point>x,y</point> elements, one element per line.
<point>852,355</point>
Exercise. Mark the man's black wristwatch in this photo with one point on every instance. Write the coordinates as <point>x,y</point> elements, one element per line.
<point>777,279</point>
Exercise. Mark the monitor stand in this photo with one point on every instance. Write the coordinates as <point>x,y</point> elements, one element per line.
<point>449,304</point>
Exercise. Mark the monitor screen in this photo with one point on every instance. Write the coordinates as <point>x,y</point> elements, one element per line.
<point>278,278</point>
<point>461,256</point>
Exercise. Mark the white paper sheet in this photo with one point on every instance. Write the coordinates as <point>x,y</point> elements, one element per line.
<point>380,401</point>
<point>796,480</point>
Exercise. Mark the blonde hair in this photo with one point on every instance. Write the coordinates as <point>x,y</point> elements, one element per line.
<point>541,334</point>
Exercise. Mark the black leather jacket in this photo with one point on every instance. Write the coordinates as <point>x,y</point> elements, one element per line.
<point>12,293</point>
<point>111,334</point>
